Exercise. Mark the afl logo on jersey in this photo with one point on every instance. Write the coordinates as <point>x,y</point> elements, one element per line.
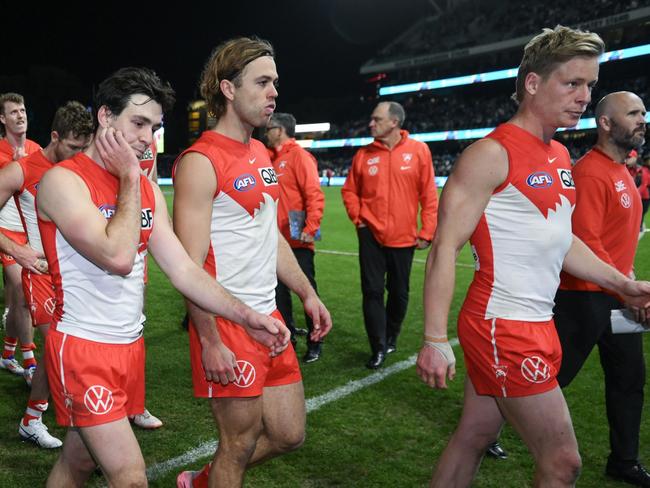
<point>268,176</point>
<point>107,210</point>
<point>244,182</point>
<point>540,179</point>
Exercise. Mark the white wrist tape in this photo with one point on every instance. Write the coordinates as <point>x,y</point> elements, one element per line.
<point>445,349</point>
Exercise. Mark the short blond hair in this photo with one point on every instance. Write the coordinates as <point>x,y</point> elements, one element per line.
<point>227,62</point>
<point>553,47</point>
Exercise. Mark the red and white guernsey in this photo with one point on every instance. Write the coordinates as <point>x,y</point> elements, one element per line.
<point>9,216</point>
<point>34,167</point>
<point>524,234</point>
<point>244,232</point>
<point>92,303</point>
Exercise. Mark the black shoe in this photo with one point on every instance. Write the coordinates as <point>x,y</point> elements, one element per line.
<point>312,354</point>
<point>635,475</point>
<point>301,332</point>
<point>496,451</point>
<point>391,345</point>
<point>376,360</point>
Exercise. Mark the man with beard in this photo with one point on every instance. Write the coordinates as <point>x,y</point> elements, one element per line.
<point>606,218</point>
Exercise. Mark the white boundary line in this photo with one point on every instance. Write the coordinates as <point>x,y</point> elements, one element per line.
<point>207,448</point>
<point>346,253</point>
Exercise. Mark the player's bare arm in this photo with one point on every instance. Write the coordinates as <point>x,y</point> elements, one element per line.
<point>580,261</point>
<point>290,274</point>
<point>11,180</point>
<point>64,199</point>
<point>195,184</point>
<point>481,168</point>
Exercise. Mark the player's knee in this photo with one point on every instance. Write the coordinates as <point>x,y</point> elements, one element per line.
<point>129,477</point>
<point>291,441</point>
<point>565,465</point>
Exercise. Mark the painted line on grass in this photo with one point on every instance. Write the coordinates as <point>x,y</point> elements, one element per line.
<point>207,449</point>
<point>345,253</point>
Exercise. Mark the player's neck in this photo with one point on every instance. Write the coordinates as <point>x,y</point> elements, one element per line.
<point>16,140</point>
<point>613,151</point>
<point>50,153</point>
<point>233,127</point>
<point>526,120</point>
<point>93,153</point>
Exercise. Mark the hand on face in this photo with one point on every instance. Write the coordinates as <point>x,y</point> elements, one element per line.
<point>118,156</point>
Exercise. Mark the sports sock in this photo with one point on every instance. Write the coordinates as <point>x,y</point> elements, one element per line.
<point>201,479</point>
<point>34,410</point>
<point>28,355</point>
<point>10,347</point>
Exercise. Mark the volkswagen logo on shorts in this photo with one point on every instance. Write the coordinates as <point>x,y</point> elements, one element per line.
<point>244,374</point>
<point>49,305</point>
<point>535,369</point>
<point>98,400</point>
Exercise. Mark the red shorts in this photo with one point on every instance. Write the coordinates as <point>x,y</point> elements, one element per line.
<point>510,358</point>
<point>255,368</point>
<point>93,383</point>
<point>17,236</point>
<point>39,294</point>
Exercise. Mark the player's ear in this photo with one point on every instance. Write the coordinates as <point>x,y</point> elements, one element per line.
<point>532,82</point>
<point>227,87</point>
<point>54,135</point>
<point>104,116</point>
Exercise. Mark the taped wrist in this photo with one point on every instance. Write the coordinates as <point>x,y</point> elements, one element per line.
<point>445,349</point>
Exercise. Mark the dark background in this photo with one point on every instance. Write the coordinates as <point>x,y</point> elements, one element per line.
<point>53,53</point>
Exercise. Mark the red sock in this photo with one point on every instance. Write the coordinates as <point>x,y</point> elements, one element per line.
<point>10,347</point>
<point>28,355</point>
<point>34,410</point>
<point>201,479</point>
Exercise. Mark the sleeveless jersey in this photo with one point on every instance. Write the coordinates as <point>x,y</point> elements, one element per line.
<point>524,233</point>
<point>92,303</point>
<point>242,254</point>
<point>34,167</point>
<point>9,216</point>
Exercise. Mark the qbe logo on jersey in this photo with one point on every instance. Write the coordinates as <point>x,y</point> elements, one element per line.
<point>98,400</point>
<point>268,176</point>
<point>244,374</point>
<point>146,218</point>
<point>566,179</point>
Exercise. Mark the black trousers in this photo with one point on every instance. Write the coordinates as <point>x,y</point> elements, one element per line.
<point>305,258</point>
<point>582,319</point>
<point>389,268</point>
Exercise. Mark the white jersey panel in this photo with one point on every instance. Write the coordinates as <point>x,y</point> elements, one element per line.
<point>28,209</point>
<point>247,271</point>
<point>10,218</point>
<point>521,236</point>
<point>97,305</point>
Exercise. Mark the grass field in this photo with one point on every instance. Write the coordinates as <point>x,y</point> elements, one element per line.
<point>389,433</point>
